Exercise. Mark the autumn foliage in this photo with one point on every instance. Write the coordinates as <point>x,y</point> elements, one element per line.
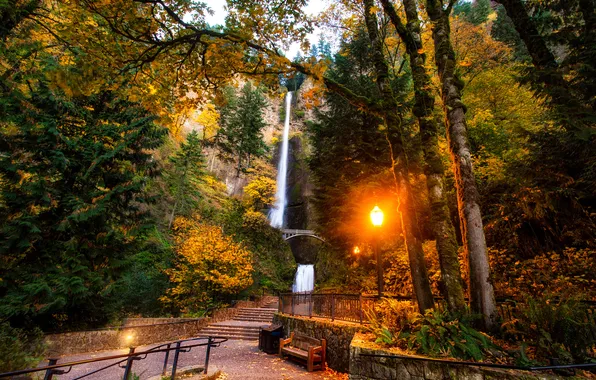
<point>209,265</point>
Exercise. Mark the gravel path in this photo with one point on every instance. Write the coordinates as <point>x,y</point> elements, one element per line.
<point>236,359</point>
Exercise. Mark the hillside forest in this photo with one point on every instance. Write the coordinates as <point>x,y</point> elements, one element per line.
<point>139,145</point>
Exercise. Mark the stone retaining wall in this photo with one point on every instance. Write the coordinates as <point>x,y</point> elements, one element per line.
<point>134,332</point>
<point>128,322</point>
<point>114,338</point>
<point>376,368</point>
<point>338,335</point>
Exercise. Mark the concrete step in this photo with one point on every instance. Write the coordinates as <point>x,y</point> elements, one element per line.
<point>259,316</point>
<point>256,318</point>
<point>235,336</point>
<point>259,309</point>
<point>254,315</point>
<point>232,329</point>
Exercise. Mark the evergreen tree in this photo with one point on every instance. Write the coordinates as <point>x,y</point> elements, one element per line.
<point>503,30</point>
<point>189,163</point>
<point>241,132</point>
<point>475,13</point>
<point>73,173</point>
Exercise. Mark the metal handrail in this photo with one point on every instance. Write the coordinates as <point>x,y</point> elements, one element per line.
<point>53,367</point>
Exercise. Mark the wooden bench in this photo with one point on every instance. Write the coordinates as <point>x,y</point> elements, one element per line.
<point>306,349</point>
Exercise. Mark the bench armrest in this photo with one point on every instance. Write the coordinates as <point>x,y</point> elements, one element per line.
<point>285,342</point>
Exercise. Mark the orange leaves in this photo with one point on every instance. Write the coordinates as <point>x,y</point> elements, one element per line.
<point>209,264</point>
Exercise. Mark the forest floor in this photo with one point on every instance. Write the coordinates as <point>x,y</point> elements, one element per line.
<point>234,359</point>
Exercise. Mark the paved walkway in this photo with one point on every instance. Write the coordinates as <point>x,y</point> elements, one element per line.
<point>242,360</point>
<point>236,359</point>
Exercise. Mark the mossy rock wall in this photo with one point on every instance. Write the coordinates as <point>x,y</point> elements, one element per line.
<point>379,368</point>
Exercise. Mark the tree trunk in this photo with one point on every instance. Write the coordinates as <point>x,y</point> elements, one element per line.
<point>408,213</point>
<point>548,73</point>
<point>442,228</point>
<point>482,299</point>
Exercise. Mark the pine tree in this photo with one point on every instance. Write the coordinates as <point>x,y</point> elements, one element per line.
<point>189,163</point>
<point>73,174</point>
<point>241,134</point>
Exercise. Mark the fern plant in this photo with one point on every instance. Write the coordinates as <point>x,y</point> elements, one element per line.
<point>439,333</point>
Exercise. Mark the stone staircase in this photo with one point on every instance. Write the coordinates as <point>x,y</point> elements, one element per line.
<point>264,315</point>
<point>244,325</point>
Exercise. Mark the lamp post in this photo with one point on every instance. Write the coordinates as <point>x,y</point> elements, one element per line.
<point>376,217</point>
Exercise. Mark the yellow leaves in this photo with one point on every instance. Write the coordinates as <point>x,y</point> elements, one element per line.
<point>391,42</point>
<point>209,264</point>
<point>374,9</point>
<point>209,120</point>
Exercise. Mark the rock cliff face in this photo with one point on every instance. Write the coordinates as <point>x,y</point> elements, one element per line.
<point>299,212</point>
<point>299,209</point>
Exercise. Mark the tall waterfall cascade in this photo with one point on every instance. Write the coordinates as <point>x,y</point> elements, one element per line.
<point>276,215</point>
<point>304,281</point>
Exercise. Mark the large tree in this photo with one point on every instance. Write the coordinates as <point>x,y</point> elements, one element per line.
<point>482,297</point>
<point>73,174</point>
<point>424,108</point>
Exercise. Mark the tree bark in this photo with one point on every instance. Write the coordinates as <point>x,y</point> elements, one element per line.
<point>442,227</point>
<point>408,215</point>
<point>482,299</point>
<point>548,72</point>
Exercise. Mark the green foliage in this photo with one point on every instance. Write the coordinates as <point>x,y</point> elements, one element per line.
<point>388,318</point>
<point>503,30</point>
<point>555,328</point>
<point>144,280</point>
<point>186,174</point>
<point>20,349</point>
<point>439,333</point>
<point>273,262</point>
<point>475,13</point>
<point>74,169</point>
<point>241,118</point>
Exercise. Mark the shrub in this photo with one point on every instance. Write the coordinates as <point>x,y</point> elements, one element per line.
<point>554,328</point>
<point>18,349</point>
<point>388,317</point>
<point>436,333</point>
<point>440,333</point>
<point>548,273</point>
<point>209,266</point>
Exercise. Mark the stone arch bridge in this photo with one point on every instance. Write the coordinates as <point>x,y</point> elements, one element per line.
<point>288,234</point>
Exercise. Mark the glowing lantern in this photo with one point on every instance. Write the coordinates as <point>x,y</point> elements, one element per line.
<point>376,216</point>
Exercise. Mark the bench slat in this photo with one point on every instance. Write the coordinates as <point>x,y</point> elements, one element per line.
<point>300,353</point>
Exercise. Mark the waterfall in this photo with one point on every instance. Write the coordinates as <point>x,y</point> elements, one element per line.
<point>276,216</point>
<point>305,279</point>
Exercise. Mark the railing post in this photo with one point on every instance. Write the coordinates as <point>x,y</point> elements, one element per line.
<point>128,367</point>
<point>360,306</point>
<point>50,372</point>
<point>332,307</point>
<point>292,303</point>
<point>175,363</point>
<point>207,355</point>
<point>280,303</point>
<point>310,305</point>
<point>165,361</point>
